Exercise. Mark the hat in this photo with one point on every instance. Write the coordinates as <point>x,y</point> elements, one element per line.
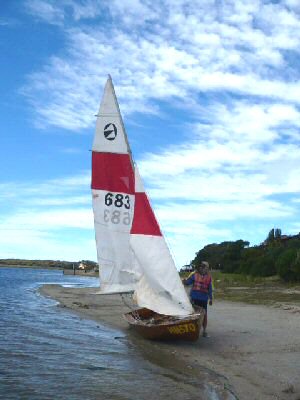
<point>205,264</point>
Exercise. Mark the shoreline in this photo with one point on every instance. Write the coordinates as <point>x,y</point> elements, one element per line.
<point>65,271</point>
<point>253,351</point>
<point>79,272</point>
<point>30,266</point>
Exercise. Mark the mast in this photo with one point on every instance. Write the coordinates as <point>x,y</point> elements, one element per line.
<point>123,126</point>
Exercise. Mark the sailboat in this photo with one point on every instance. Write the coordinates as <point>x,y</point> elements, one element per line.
<point>132,253</point>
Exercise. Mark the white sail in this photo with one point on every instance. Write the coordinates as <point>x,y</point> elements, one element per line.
<point>160,288</point>
<point>132,252</point>
<point>113,197</point>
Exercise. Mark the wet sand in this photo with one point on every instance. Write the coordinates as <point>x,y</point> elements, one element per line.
<point>253,351</point>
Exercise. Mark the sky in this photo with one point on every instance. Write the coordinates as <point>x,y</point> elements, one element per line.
<point>210,96</point>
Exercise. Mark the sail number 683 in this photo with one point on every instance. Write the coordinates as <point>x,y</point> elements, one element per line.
<point>118,200</point>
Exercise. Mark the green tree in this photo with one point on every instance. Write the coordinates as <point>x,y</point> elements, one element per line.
<point>225,256</point>
<point>286,265</point>
<point>296,266</point>
<point>277,234</point>
<point>271,236</point>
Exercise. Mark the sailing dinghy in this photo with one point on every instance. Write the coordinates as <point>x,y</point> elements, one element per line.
<point>132,253</point>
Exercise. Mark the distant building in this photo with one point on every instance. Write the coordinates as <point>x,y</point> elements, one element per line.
<point>82,266</point>
<point>285,237</point>
<point>289,237</point>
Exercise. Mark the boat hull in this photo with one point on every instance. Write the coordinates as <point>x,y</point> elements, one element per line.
<point>154,326</point>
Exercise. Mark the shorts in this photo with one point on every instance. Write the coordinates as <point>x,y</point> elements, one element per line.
<point>200,303</point>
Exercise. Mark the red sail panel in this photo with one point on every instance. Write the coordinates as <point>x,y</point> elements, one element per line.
<point>144,221</point>
<point>112,172</point>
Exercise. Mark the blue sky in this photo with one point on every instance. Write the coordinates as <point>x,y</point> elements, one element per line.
<point>209,92</point>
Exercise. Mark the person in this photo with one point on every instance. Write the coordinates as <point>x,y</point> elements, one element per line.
<point>201,292</point>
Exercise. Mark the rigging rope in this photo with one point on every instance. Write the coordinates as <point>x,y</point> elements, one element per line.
<point>134,312</point>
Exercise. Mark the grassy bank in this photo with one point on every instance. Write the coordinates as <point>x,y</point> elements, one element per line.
<point>254,290</point>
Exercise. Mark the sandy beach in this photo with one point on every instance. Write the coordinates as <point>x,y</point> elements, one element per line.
<point>252,352</point>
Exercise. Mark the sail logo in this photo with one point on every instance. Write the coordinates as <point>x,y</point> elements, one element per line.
<point>110,131</point>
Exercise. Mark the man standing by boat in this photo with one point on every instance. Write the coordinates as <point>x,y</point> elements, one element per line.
<point>201,292</point>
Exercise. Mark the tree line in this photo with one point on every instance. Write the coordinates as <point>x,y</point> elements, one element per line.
<point>277,255</point>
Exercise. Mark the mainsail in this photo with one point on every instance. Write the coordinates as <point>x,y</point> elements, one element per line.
<point>132,252</point>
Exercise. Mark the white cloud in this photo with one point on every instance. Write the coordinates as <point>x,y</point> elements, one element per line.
<point>38,244</point>
<point>50,220</point>
<point>187,48</point>
<point>185,214</point>
<point>45,10</point>
<point>133,12</point>
<point>72,150</point>
<point>60,191</point>
<point>60,201</point>
<point>87,10</point>
<point>240,143</point>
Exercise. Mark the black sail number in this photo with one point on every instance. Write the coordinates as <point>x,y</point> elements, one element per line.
<point>108,199</point>
<point>127,202</point>
<point>114,213</point>
<point>118,200</point>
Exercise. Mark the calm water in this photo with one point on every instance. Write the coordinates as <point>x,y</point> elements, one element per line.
<point>49,353</point>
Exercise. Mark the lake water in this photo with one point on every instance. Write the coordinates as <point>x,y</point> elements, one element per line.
<point>47,352</point>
